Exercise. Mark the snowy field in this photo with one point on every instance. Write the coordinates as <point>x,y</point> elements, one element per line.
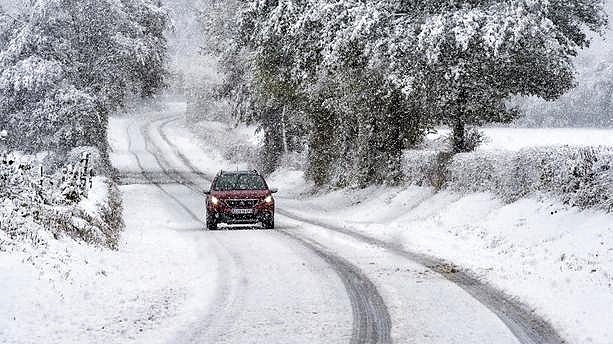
<point>518,138</point>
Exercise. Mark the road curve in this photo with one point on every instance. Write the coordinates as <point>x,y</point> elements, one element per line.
<point>370,318</point>
<point>526,326</point>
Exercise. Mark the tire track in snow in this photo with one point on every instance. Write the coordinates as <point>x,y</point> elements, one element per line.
<point>144,174</point>
<point>521,320</point>
<point>229,300</point>
<point>371,320</point>
<point>227,295</point>
<point>527,327</point>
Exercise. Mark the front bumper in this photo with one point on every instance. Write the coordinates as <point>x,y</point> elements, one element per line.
<point>240,211</point>
<point>225,215</point>
<point>236,219</point>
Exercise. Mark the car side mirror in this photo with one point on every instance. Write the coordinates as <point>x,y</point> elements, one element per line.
<point>207,192</point>
<point>274,190</point>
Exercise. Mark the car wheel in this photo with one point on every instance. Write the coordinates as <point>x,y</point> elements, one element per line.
<point>211,225</point>
<point>269,224</point>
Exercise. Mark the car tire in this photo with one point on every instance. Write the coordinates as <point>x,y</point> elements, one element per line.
<point>211,224</point>
<point>269,224</point>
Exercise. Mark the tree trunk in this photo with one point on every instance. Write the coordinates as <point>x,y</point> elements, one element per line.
<point>284,132</point>
<point>323,152</point>
<point>458,137</point>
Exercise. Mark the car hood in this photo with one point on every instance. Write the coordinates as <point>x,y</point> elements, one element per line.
<point>241,194</point>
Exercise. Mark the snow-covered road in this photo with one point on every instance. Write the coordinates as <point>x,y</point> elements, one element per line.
<point>258,285</point>
<point>305,282</point>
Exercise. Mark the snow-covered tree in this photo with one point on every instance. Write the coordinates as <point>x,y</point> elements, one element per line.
<point>67,64</point>
<point>309,74</point>
<point>466,58</point>
<point>369,78</point>
<point>590,104</point>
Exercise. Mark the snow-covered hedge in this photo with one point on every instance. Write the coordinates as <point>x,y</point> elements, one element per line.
<point>579,176</point>
<point>36,207</point>
<point>426,167</point>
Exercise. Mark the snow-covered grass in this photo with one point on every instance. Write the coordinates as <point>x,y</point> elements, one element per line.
<point>51,250</point>
<point>68,202</point>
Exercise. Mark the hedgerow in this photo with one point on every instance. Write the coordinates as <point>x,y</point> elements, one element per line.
<point>578,176</point>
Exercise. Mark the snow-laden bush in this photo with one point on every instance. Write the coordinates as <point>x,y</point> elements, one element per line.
<point>579,176</point>
<point>426,168</point>
<point>36,206</point>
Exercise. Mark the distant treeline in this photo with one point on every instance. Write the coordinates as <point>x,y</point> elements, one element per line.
<point>589,104</point>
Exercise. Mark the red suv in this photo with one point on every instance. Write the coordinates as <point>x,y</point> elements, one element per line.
<point>240,197</point>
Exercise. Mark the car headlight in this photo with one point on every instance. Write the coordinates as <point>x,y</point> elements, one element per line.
<point>214,200</point>
<point>268,199</point>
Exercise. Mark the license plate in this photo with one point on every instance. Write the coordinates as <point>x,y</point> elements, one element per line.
<point>242,211</point>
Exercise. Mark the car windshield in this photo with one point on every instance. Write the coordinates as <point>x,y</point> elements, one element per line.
<point>228,182</point>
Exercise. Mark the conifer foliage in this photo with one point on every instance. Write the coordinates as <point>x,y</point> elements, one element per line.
<point>358,81</point>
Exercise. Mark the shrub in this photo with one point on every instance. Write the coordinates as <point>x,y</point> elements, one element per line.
<point>35,206</point>
<point>417,166</point>
<point>579,176</point>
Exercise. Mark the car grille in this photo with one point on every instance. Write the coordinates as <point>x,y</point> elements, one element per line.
<point>242,203</point>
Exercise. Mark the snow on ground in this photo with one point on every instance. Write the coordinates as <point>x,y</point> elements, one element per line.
<point>96,197</point>
<point>424,307</point>
<point>122,159</point>
<point>558,260</point>
<point>96,295</point>
<point>426,320</point>
<point>271,288</point>
<point>153,285</point>
<point>518,138</point>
